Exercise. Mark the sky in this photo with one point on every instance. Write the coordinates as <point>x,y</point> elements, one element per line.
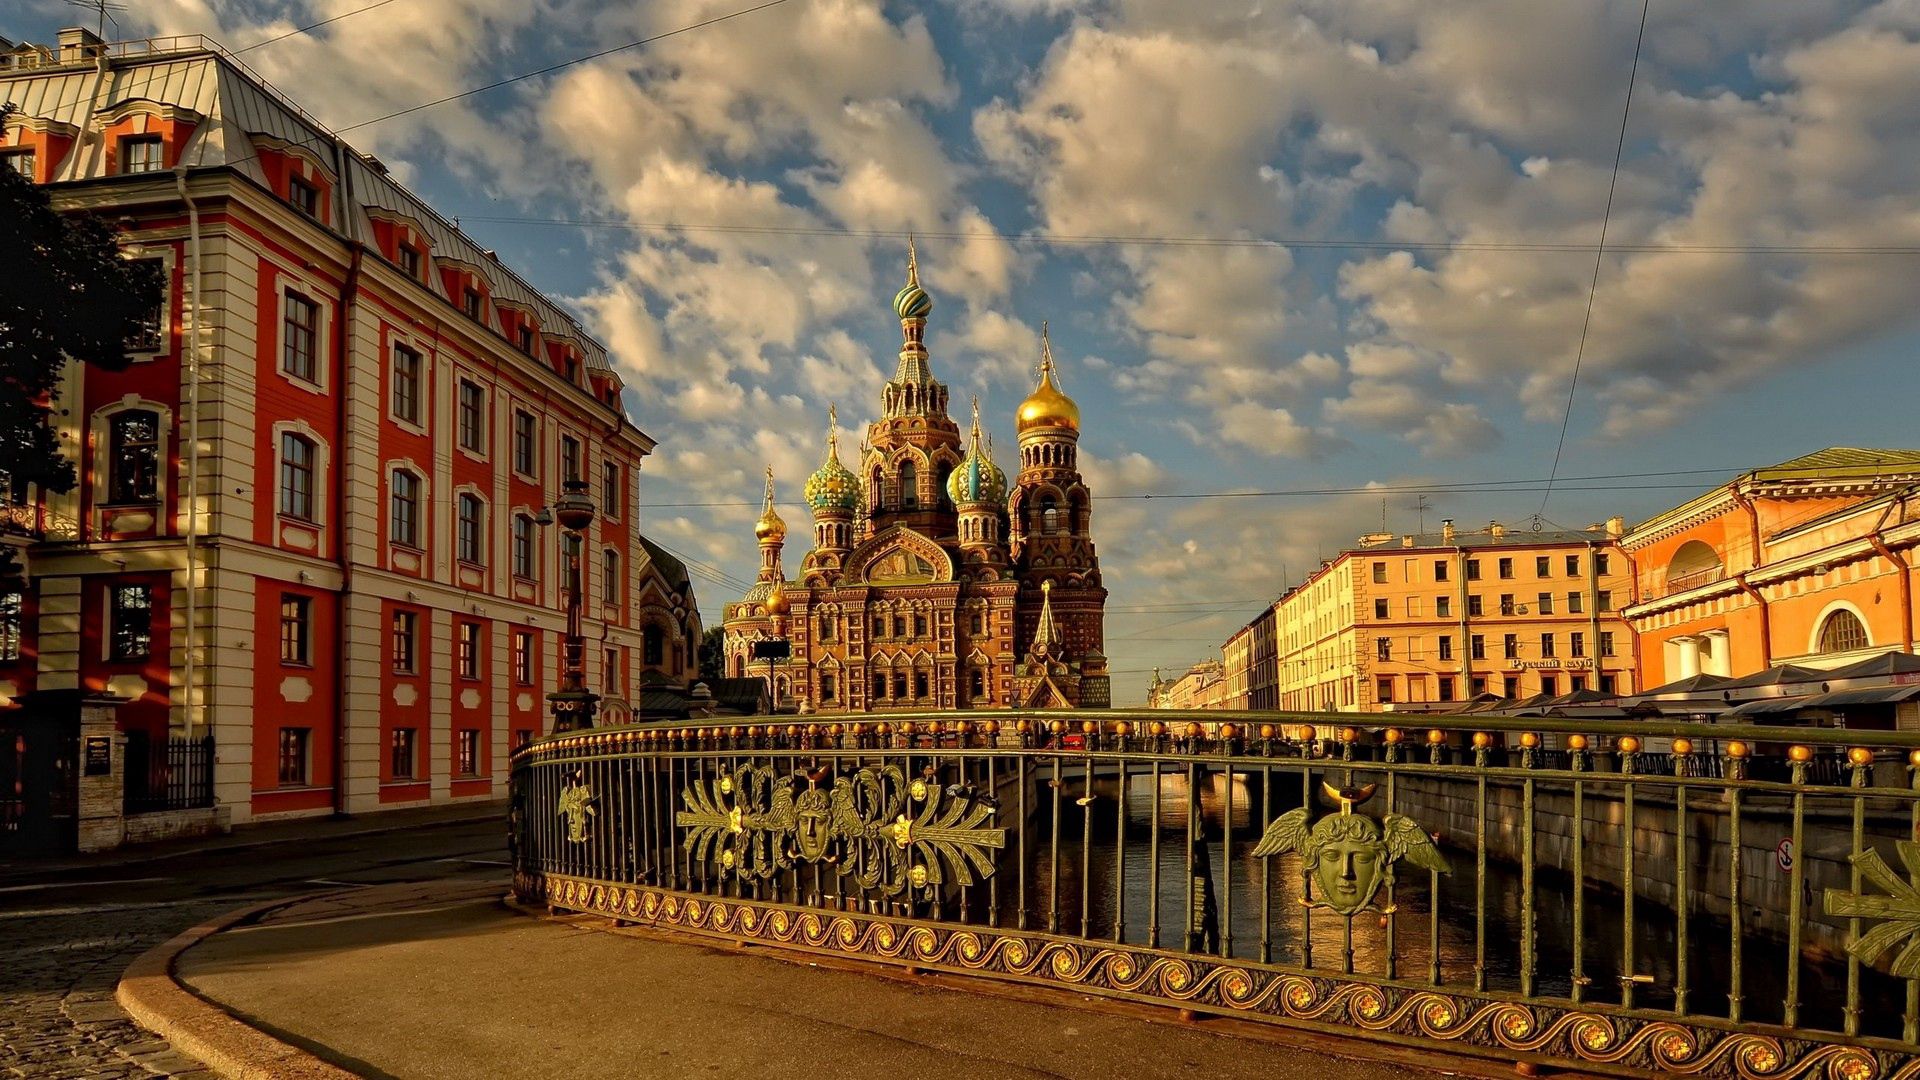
<point>1331,250</point>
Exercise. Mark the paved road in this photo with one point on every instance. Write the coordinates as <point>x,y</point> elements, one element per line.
<point>66,936</point>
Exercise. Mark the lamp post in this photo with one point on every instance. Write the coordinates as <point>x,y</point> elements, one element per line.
<point>573,704</point>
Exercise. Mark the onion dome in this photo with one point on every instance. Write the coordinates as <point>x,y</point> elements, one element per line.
<point>978,481</point>
<point>1047,407</point>
<point>770,529</point>
<point>777,602</point>
<point>832,487</point>
<point>912,302</point>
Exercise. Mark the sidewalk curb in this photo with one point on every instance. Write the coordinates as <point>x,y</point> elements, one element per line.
<point>162,1004</point>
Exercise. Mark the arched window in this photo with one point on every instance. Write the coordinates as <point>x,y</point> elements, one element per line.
<point>1049,515</point>
<point>1695,563</point>
<point>471,529</point>
<point>977,682</point>
<point>877,491</point>
<point>404,525</point>
<point>826,626</point>
<point>653,646</point>
<point>909,487</point>
<point>526,559</point>
<point>296,476</point>
<point>133,456</point>
<point>1842,632</point>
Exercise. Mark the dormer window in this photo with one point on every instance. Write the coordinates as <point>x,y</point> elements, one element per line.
<point>20,162</point>
<point>526,339</point>
<point>140,154</point>
<point>303,196</point>
<point>470,303</point>
<point>410,260</point>
<point>573,369</point>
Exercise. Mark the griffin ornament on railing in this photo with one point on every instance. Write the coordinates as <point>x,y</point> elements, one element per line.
<point>887,833</point>
<point>1348,855</point>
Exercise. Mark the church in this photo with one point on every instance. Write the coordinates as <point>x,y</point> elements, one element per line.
<point>933,583</point>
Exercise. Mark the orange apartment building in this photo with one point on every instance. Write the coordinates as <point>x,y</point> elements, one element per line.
<point>1808,562</point>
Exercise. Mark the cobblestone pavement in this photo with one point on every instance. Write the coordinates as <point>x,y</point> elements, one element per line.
<point>64,943</point>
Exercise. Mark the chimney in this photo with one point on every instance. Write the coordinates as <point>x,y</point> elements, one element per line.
<point>1496,530</point>
<point>1446,530</point>
<point>1616,527</point>
<point>1406,541</point>
<point>78,44</point>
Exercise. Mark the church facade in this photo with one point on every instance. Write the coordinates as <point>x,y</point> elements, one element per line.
<point>933,582</point>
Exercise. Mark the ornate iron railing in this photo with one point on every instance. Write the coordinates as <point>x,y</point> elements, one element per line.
<point>1680,899</point>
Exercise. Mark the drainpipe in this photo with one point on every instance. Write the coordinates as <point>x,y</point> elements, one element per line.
<point>343,206</point>
<point>1740,579</point>
<point>189,330</point>
<point>1879,541</point>
<point>1593,614</point>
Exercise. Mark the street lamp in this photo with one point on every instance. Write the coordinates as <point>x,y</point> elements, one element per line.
<point>573,704</point>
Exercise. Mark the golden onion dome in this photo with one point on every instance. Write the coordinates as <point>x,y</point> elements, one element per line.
<point>1047,406</point>
<point>770,528</point>
<point>777,602</point>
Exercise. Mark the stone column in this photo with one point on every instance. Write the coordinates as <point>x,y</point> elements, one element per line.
<point>102,779</point>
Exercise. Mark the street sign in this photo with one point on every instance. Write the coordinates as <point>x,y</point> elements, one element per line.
<point>773,649</point>
<point>1783,855</point>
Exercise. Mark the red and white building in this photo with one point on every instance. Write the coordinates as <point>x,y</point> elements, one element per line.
<point>308,520</point>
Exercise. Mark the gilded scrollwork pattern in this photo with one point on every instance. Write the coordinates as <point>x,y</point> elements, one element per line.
<point>890,834</point>
<point>1551,1031</point>
<point>1896,906</point>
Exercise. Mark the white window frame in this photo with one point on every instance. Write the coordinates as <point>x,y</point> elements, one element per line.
<point>322,332</point>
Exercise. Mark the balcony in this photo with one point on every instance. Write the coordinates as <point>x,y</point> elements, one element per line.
<point>1693,579</point>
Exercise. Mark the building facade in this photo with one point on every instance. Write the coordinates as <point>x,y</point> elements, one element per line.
<point>1809,563</point>
<point>311,518</point>
<point>933,582</point>
<point>1202,686</point>
<point>1412,622</point>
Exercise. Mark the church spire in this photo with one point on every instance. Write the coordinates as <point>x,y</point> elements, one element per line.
<point>1046,635</point>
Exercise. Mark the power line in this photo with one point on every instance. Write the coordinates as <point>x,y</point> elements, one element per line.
<point>1096,239</point>
<point>551,68</point>
<point>1599,255</point>
<point>310,26</point>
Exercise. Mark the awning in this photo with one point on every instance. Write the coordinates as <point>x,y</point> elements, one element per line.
<point>1870,695</point>
<point>1765,706</point>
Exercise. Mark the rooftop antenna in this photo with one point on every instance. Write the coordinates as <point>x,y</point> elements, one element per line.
<point>101,8</point>
<point>1421,507</point>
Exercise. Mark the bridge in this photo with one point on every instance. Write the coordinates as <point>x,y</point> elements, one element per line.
<point>1621,897</point>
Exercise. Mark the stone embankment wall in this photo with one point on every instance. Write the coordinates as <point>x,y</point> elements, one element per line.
<point>1448,807</point>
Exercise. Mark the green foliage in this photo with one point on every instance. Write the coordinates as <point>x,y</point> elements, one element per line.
<point>713,658</point>
<point>65,293</point>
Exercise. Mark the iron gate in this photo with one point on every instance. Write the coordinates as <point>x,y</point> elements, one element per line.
<point>39,788</point>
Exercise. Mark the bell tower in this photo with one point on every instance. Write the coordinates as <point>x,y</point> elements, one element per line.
<point>914,446</point>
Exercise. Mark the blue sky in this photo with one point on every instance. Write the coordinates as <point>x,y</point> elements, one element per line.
<point>828,127</point>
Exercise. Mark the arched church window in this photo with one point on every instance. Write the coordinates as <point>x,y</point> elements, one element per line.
<point>909,487</point>
<point>977,683</point>
<point>1842,632</point>
<point>1049,516</point>
<point>653,645</point>
<point>877,491</point>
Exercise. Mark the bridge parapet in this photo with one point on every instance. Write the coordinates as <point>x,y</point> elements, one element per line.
<point>1646,898</point>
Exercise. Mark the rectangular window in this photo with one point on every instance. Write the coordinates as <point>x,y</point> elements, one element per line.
<point>466,760</point>
<point>470,302</point>
<point>1383,648</point>
<point>1542,566</point>
<point>1443,607</point>
<point>299,353</point>
<point>296,476</point>
<point>1573,566</point>
<point>1546,645</point>
<point>526,339</point>
<point>1473,604</point>
<point>1603,600</point>
<point>471,529</point>
<point>1549,685</point>
<point>405,624</point>
<point>151,335</point>
<point>610,489</point>
<point>523,657</point>
<point>1379,573</point>
<point>1574,603</point>
<point>1439,569</point>
<point>1546,604</point>
<point>21,162</point>
<point>1446,646</point>
<point>525,553</point>
<point>140,154</point>
<point>406,384</point>
<point>919,626</point>
<point>610,586</point>
<point>294,628</point>
<point>976,625</point>
<point>879,687</point>
<point>526,443</point>
<point>1600,563</point>
<point>829,690</point>
<point>404,529</point>
<point>1446,688</point>
<point>1576,683</point>
<point>1379,609</point>
<point>1576,644</point>
<point>1506,568</point>
<point>610,673</point>
<point>473,417</point>
<point>133,456</point>
<point>293,756</point>
<point>1473,569</point>
<point>1607,684</point>
<point>919,684</point>
<point>900,684</point>
<point>401,755</point>
<point>304,196</point>
<point>1506,603</point>
<point>1606,643</point>
<point>130,622</point>
<point>899,626</point>
<point>410,260</point>
<point>1510,646</point>
<point>879,626</point>
<point>569,458</point>
<point>1383,690</point>
<point>469,650</point>
<point>1477,647</point>
<point>1510,688</point>
<point>11,624</point>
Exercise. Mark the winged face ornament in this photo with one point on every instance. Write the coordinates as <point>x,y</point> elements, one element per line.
<point>1348,856</point>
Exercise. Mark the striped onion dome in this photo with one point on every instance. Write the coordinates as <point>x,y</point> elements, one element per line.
<point>912,302</point>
